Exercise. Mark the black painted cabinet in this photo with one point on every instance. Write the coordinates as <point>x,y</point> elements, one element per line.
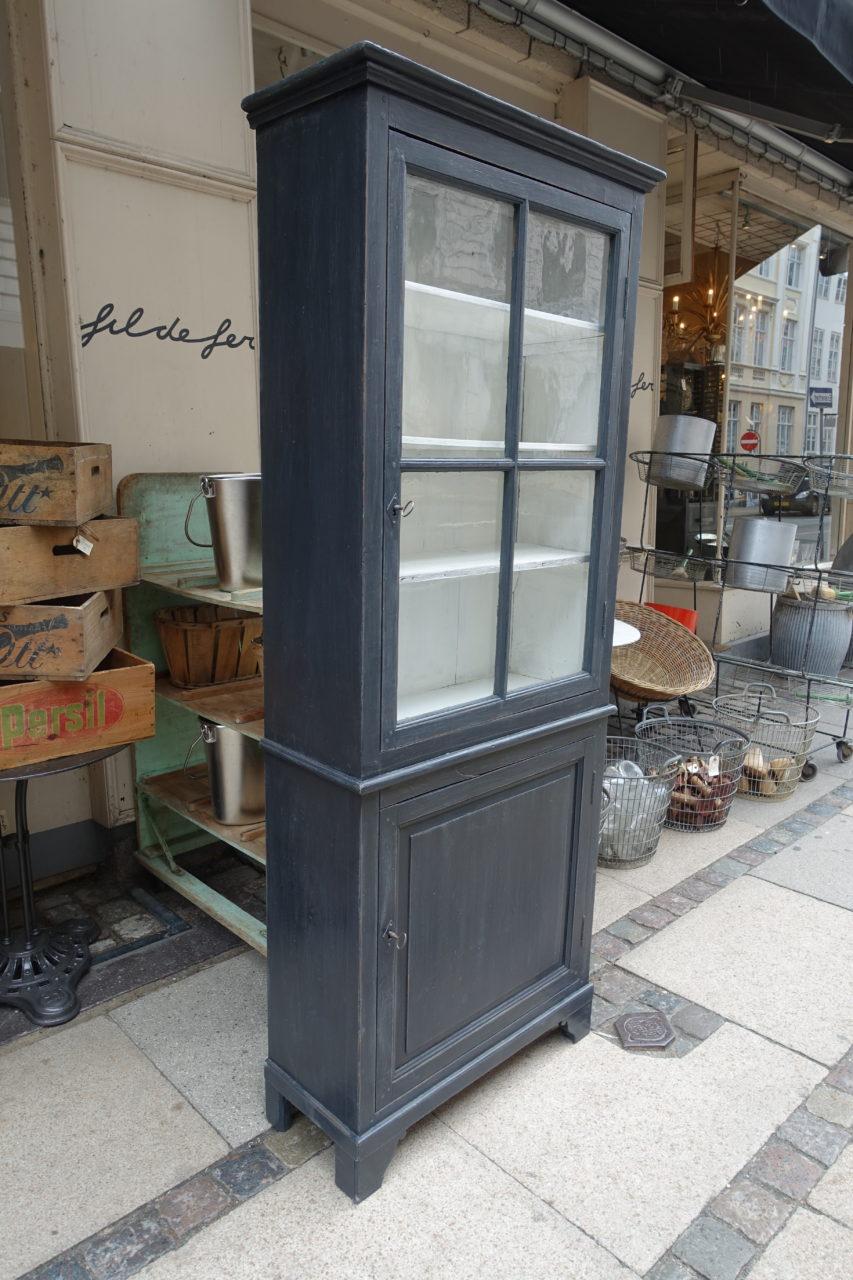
<point>447,291</point>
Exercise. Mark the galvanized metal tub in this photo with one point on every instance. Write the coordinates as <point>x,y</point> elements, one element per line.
<point>233,502</point>
<point>681,433</point>
<point>235,765</point>
<point>759,542</point>
<point>810,635</point>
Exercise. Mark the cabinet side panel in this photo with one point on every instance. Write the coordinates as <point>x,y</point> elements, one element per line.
<point>321,912</point>
<point>313,259</point>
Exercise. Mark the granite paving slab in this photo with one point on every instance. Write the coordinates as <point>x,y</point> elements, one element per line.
<point>833,1195</point>
<point>820,864</point>
<point>773,960</point>
<point>208,1035</point>
<point>810,1247</point>
<point>90,1130</point>
<point>613,899</point>
<point>444,1210</point>
<point>618,1142</point>
<point>680,854</point>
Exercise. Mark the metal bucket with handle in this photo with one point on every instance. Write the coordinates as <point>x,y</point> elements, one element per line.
<point>233,503</point>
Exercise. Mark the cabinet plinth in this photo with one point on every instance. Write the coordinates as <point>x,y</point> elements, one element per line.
<point>447,289</point>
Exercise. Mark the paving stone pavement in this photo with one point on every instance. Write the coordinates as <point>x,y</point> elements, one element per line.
<point>788,1205</point>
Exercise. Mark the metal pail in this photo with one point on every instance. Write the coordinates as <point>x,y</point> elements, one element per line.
<point>235,765</point>
<point>233,503</point>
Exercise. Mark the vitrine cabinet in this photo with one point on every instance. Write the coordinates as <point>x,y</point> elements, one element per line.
<point>447,291</point>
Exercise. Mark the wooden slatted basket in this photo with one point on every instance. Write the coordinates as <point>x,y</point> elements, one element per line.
<point>207,644</point>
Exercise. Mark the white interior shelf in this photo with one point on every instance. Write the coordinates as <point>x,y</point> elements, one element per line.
<point>433,567</point>
<point>453,313</point>
<point>441,444</point>
<point>412,706</point>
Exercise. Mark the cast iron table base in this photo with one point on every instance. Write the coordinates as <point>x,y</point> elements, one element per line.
<point>40,967</point>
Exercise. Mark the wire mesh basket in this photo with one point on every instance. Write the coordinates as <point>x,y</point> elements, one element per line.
<point>606,805</point>
<point>780,738</point>
<point>711,759</point>
<point>832,474</point>
<point>668,564</point>
<point>760,473</point>
<point>639,777</point>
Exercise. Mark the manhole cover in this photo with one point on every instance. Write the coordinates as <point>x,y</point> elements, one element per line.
<point>650,1030</point>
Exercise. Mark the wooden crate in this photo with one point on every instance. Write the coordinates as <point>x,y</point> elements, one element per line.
<point>54,482</point>
<point>40,563</point>
<point>46,719</point>
<point>59,640</point>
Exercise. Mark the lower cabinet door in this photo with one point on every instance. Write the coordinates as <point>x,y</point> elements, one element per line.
<point>485,888</point>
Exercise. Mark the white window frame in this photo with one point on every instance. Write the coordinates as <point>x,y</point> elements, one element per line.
<point>784,425</point>
<point>733,421</point>
<point>841,288</point>
<point>795,262</point>
<point>816,359</point>
<point>833,356</point>
<point>810,438</point>
<point>762,330</point>
<point>788,345</point>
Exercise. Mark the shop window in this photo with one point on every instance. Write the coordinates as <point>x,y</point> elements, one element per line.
<point>816,363</point>
<point>784,424</point>
<point>733,426</point>
<point>760,347</point>
<point>810,439</point>
<point>789,339</point>
<point>795,262</point>
<point>841,288</point>
<point>833,357</point>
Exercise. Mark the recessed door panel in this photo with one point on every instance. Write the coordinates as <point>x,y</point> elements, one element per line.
<point>477,889</point>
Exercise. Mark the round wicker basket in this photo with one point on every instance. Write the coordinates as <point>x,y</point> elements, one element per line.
<point>667,662</point>
<point>208,644</point>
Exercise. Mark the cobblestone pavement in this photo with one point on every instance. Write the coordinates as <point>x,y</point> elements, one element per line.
<point>785,1214</point>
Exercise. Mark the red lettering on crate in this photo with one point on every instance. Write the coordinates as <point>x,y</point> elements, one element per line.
<point>61,712</point>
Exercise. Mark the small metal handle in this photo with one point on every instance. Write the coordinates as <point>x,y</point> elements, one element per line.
<point>390,934</point>
<point>189,536</point>
<point>402,509</point>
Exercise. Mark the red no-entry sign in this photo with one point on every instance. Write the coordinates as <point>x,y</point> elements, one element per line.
<point>749,441</point>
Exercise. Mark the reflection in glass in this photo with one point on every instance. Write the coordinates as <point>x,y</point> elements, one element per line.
<point>550,576</point>
<point>449,563</point>
<point>565,297</point>
<point>459,248</point>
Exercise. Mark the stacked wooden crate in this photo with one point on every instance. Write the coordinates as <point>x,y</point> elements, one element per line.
<point>64,557</point>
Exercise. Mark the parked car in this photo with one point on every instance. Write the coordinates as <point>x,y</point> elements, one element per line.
<point>805,502</point>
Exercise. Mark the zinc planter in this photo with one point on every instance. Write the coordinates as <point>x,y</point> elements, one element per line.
<point>811,636</point>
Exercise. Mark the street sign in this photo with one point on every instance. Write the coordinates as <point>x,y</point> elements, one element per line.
<point>749,441</point>
<point>820,397</point>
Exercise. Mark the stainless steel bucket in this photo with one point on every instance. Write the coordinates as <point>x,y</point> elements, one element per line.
<point>235,765</point>
<point>234,513</point>
<point>760,542</point>
<point>681,433</point>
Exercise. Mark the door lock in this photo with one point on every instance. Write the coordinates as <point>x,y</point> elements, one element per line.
<point>390,934</point>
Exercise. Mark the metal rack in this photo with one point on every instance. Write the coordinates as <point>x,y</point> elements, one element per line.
<point>174,811</point>
<point>773,475</point>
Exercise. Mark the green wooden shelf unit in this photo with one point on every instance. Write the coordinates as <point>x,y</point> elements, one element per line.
<point>173,809</point>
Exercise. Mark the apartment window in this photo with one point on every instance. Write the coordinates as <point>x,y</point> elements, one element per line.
<point>827,443</point>
<point>784,423</point>
<point>733,426</point>
<point>760,353</point>
<point>833,357</point>
<point>810,442</point>
<point>823,286</point>
<point>765,268</point>
<point>756,413</point>
<point>795,260</point>
<point>789,338</point>
<point>737,336</point>
<point>817,355</point>
<point>841,288</point>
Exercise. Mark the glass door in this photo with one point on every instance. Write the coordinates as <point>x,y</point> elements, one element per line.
<point>496,456</point>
